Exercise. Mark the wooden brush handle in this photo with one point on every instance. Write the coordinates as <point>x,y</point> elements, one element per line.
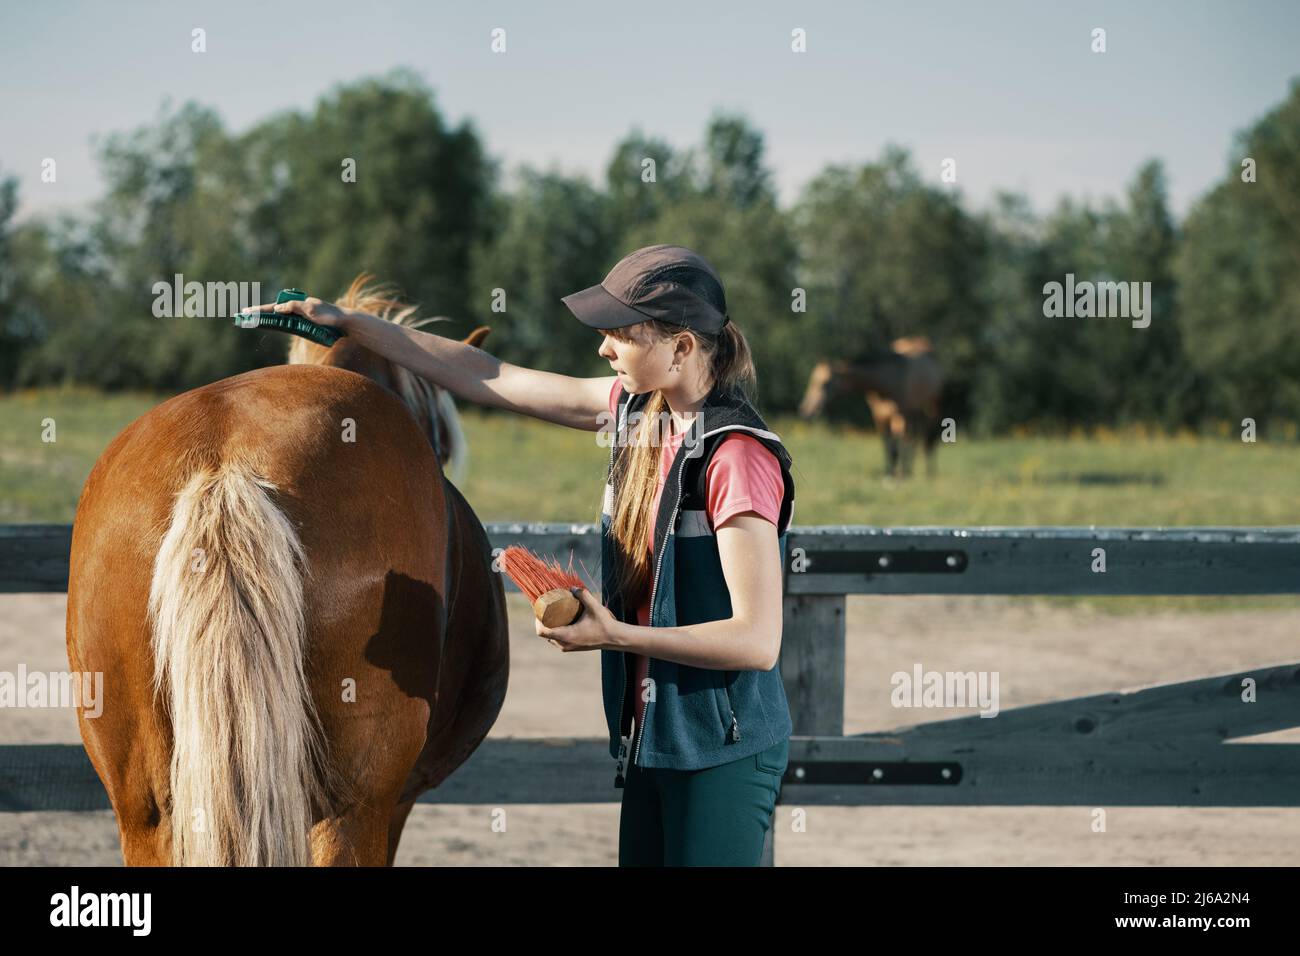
<point>557,607</point>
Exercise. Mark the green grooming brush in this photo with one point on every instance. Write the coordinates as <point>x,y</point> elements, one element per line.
<point>293,324</point>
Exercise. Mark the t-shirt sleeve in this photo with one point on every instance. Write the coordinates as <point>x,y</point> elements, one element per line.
<point>613,396</point>
<point>743,475</point>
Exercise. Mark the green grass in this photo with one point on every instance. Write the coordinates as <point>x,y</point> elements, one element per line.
<point>1112,480</point>
<point>40,480</point>
<point>522,469</point>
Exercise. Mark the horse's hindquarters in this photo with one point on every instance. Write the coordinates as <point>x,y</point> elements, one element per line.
<point>287,529</point>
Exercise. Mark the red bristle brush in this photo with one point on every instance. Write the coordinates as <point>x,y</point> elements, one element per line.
<point>546,584</point>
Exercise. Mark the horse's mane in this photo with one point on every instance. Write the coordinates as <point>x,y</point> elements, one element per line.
<point>432,406</point>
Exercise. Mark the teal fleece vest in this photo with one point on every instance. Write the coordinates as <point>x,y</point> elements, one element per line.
<point>698,717</point>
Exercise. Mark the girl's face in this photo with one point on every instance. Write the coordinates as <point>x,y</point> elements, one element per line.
<point>642,365</point>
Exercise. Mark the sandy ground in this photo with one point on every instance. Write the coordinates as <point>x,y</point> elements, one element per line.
<point>1041,652</point>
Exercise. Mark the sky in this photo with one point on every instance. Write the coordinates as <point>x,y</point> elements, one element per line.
<point>1012,91</point>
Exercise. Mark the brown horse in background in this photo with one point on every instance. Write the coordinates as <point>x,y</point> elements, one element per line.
<point>902,387</point>
<point>295,612</point>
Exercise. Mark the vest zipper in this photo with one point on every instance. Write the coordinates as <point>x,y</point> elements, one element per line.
<point>622,697</point>
<point>735,726</point>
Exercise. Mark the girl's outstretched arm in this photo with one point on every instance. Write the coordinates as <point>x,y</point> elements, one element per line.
<point>468,372</point>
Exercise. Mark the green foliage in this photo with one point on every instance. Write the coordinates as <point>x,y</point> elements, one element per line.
<point>186,198</point>
<point>1083,371</point>
<point>887,255</point>
<point>419,204</point>
<point>555,238</point>
<point>878,249</point>
<point>1238,272</point>
<point>560,235</point>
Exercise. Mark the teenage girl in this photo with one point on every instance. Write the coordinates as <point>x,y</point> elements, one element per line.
<point>697,502</point>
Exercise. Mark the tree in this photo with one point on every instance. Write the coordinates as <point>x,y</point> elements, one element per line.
<point>13,339</point>
<point>555,239</point>
<point>886,255</point>
<point>1238,272</point>
<point>372,180</point>
<point>717,200</point>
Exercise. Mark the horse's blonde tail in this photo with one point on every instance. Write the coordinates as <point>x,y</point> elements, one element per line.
<point>226,608</point>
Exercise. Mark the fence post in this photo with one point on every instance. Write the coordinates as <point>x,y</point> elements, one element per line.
<point>812,669</point>
<point>812,662</point>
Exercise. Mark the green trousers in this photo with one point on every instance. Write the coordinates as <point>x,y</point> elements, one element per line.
<point>718,816</point>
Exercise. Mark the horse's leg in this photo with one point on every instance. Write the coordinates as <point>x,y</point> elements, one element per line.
<point>395,824</point>
<point>897,426</point>
<point>375,755</point>
<point>374,685</point>
<point>910,437</point>
<point>378,618</point>
<point>135,776</point>
<point>918,434</point>
<point>362,835</point>
<point>358,837</point>
<point>127,738</point>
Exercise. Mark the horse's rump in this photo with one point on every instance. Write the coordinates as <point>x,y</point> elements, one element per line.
<point>292,520</point>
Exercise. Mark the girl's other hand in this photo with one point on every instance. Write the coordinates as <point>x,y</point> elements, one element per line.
<point>593,630</point>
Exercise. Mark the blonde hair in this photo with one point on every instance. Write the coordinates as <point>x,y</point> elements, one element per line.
<point>636,470</point>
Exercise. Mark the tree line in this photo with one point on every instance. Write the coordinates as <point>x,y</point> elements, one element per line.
<point>867,253</point>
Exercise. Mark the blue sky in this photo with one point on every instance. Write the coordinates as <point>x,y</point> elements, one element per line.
<point>1011,90</point>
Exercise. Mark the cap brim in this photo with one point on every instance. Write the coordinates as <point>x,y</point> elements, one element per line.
<point>600,310</point>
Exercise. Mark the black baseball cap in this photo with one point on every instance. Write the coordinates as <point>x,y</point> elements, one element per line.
<point>665,282</point>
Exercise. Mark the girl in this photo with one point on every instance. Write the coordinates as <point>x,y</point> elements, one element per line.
<point>697,503</point>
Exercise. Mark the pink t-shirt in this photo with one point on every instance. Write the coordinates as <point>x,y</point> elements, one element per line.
<point>743,476</point>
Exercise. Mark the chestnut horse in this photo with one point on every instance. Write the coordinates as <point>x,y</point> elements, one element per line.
<point>295,612</point>
<point>902,387</point>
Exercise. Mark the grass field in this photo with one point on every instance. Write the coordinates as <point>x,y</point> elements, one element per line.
<point>524,469</point>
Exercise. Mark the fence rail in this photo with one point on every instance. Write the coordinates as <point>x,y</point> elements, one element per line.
<point>860,559</point>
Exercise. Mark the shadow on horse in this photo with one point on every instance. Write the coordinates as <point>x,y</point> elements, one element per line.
<point>294,611</point>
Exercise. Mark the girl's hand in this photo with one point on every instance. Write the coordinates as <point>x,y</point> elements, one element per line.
<point>592,631</point>
<point>317,310</point>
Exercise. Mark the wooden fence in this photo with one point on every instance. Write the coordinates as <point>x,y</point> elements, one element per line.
<point>1164,745</point>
